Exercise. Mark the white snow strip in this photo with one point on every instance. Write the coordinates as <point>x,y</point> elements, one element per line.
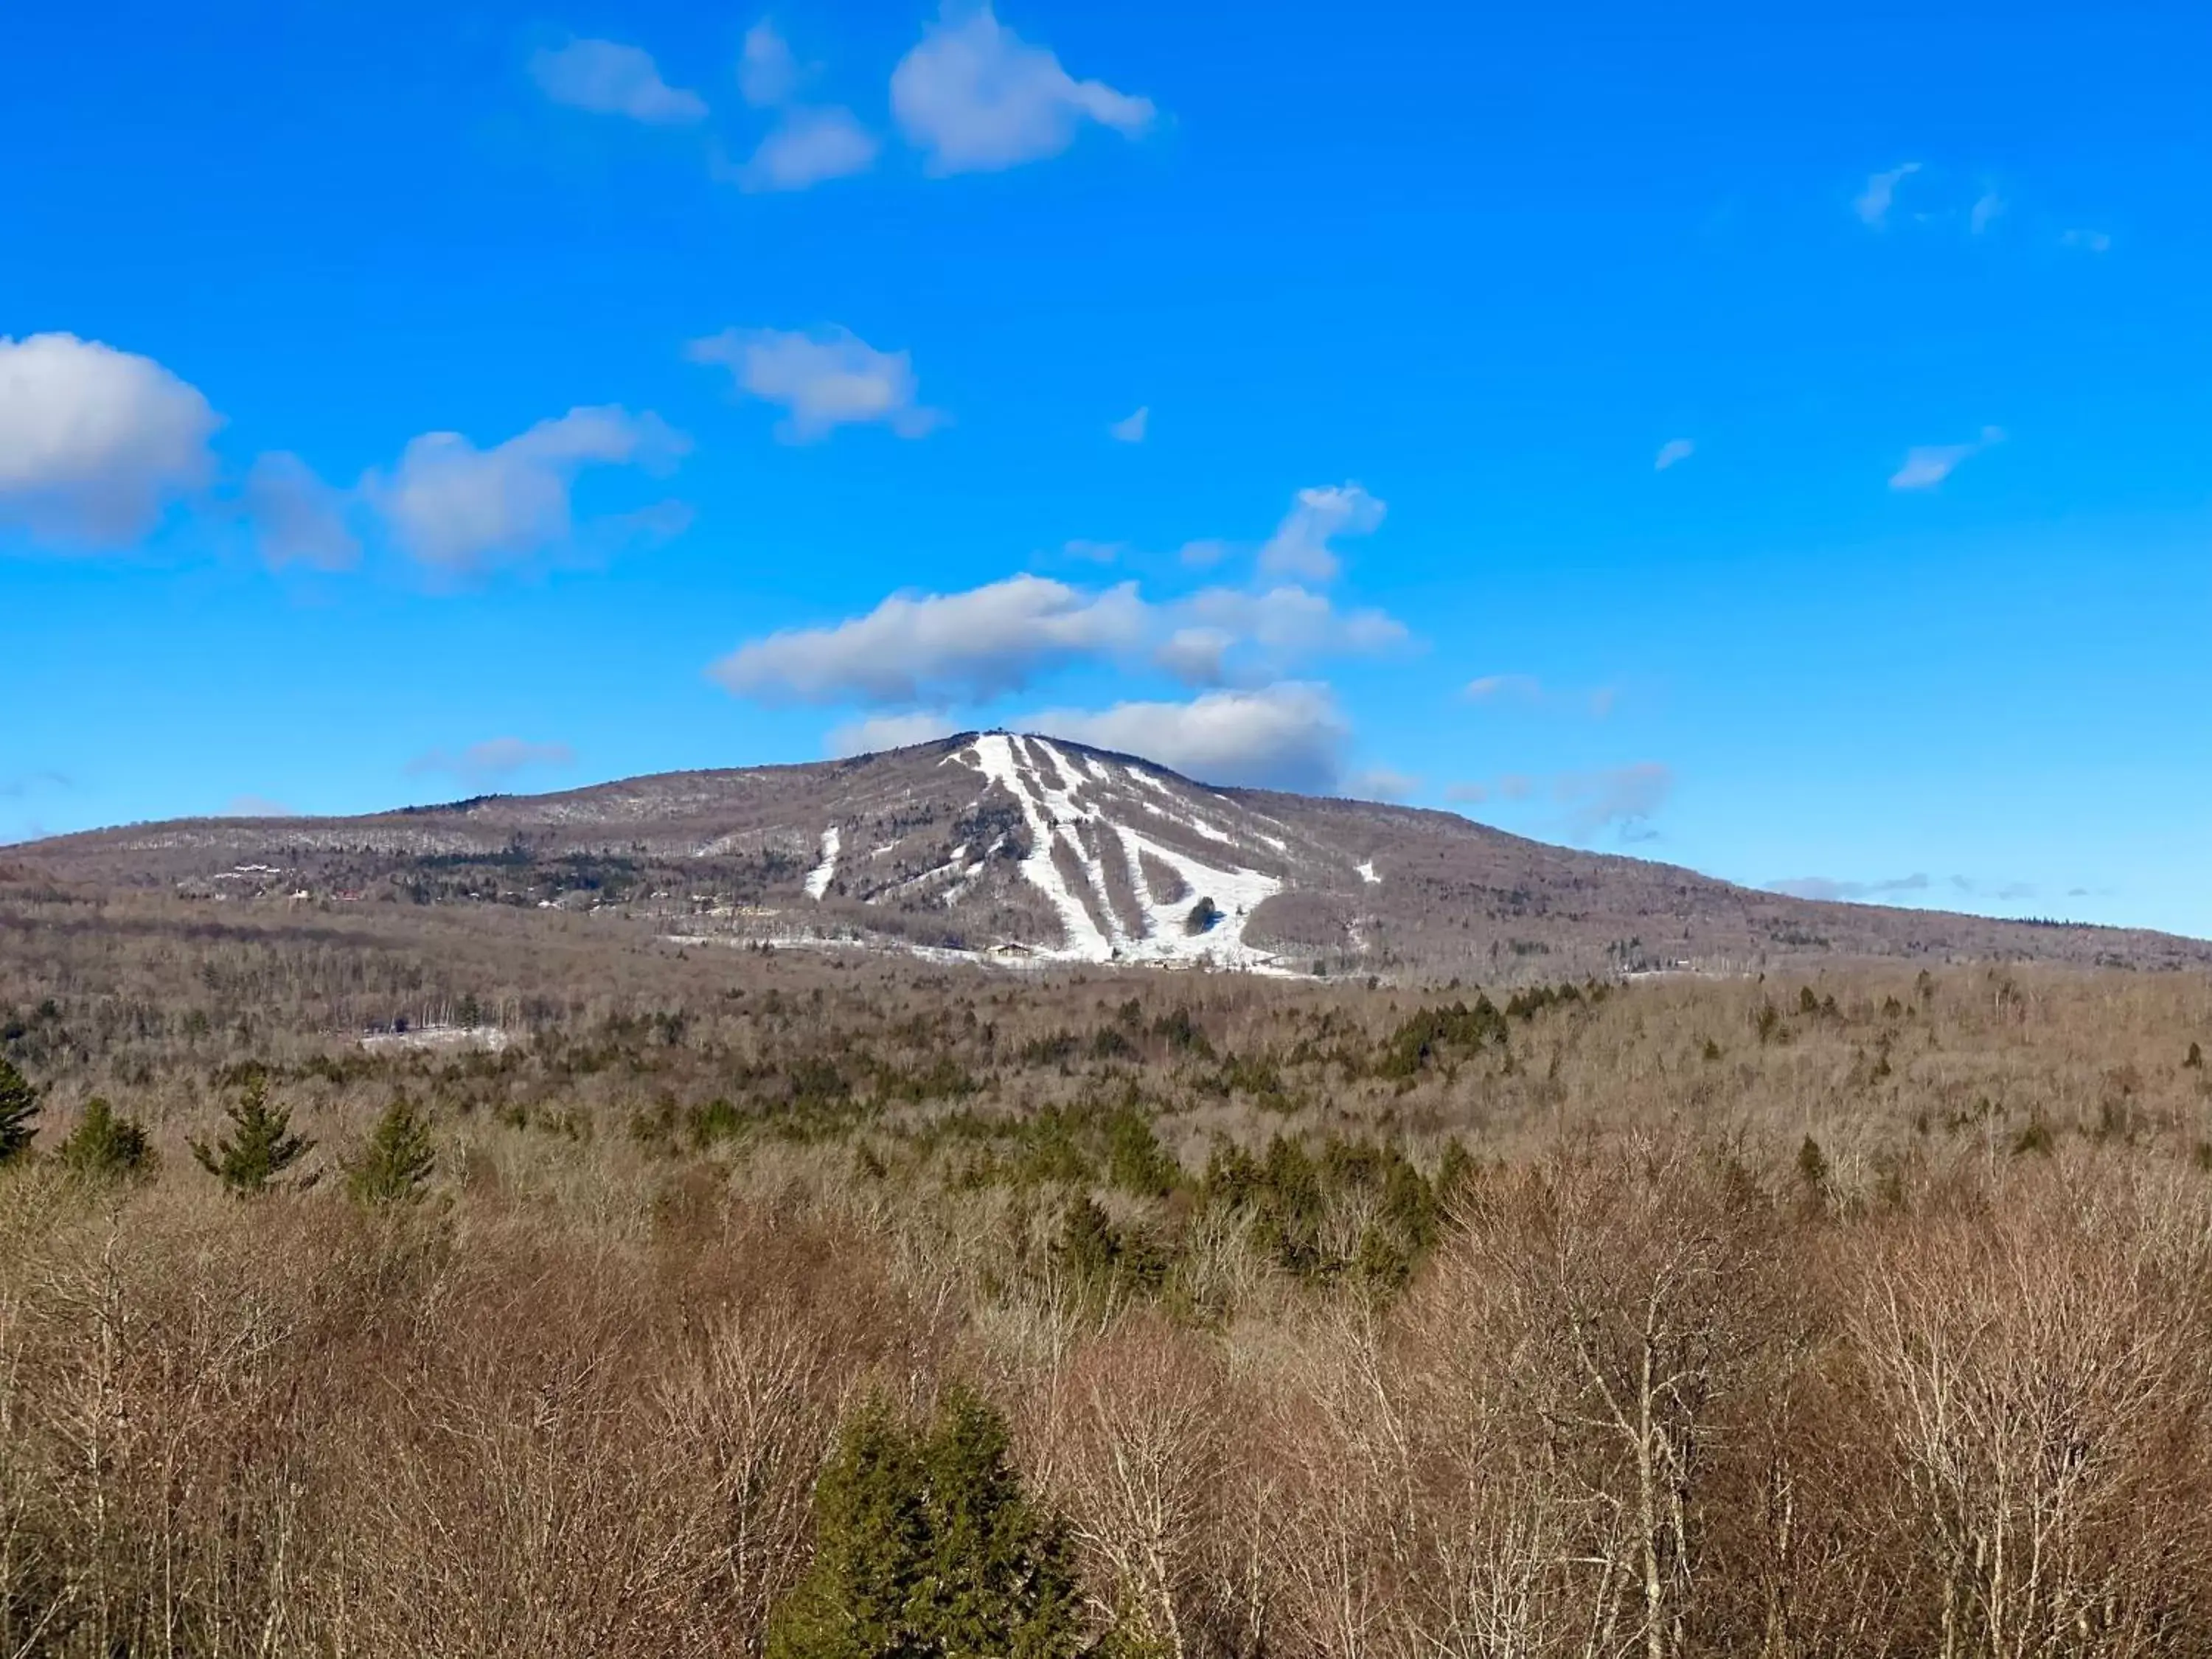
<point>1367,871</point>
<point>1235,893</point>
<point>817,878</point>
<point>1002,762</point>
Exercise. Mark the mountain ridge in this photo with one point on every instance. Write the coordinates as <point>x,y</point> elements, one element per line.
<point>1005,846</point>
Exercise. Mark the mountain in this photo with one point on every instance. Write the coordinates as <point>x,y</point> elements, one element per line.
<point>1010,848</point>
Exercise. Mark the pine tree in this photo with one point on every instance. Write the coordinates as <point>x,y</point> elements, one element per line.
<point>260,1147</point>
<point>19,1113</point>
<point>926,1547</point>
<point>397,1163</point>
<point>104,1146</point>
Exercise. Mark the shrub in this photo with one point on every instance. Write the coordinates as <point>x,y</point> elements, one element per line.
<point>104,1146</point>
<point>927,1545</point>
<point>398,1160</point>
<point>259,1147</point>
<point>19,1113</point>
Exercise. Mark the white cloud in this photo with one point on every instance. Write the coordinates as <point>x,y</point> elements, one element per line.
<point>939,648</point>
<point>1282,737</point>
<point>1674,452</point>
<point>1873,203</point>
<point>1927,465</point>
<point>973,97</point>
<point>935,647</point>
<point>2090,242</point>
<point>1988,206</point>
<point>1130,429</point>
<point>1205,551</point>
<point>1300,546</point>
<point>96,442</point>
<point>767,73</point>
<point>805,148</point>
<point>454,506</point>
<point>823,379</point>
<point>609,78</point>
<point>880,731</point>
<point>298,518</point>
<point>1276,628</point>
<point>492,760</point>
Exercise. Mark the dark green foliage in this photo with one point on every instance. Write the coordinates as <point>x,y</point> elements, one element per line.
<point>1203,915</point>
<point>1103,1260</point>
<point>926,1547</point>
<point>397,1163</point>
<point>1179,1031</point>
<point>260,1147</point>
<point>104,1146</point>
<point>19,1113</point>
<point>1427,1037</point>
<point>1806,1002</point>
<point>1812,1166</point>
<point>1454,1178</point>
<point>1135,1160</point>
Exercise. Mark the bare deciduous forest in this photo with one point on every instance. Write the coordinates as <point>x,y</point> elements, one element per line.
<point>430,1283</point>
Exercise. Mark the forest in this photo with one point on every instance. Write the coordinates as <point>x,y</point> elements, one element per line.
<point>510,1285</point>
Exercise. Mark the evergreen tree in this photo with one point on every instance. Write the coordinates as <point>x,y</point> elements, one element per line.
<point>105,1146</point>
<point>397,1163</point>
<point>927,1548</point>
<point>260,1147</point>
<point>19,1113</point>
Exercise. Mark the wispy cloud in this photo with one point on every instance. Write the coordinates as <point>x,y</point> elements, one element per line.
<point>491,761</point>
<point>1130,429</point>
<point>973,96</point>
<point>1829,889</point>
<point>1385,783</point>
<point>1927,466</point>
<point>462,510</point>
<point>1673,453</point>
<point>1988,208</point>
<point>2087,241</point>
<point>256,806</point>
<point>1621,800</point>
<point>607,78</point>
<point>1526,690</point>
<point>823,378</point>
<point>1303,543</point>
<point>1873,203</point>
<point>877,732</point>
<point>809,144</point>
<point>1505,688</point>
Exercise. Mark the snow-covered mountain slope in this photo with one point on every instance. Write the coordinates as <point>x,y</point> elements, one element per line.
<point>1003,847</point>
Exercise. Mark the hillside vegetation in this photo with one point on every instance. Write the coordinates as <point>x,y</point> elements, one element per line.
<point>479,1283</point>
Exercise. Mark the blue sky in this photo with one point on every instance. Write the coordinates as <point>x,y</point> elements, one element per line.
<point>1773,443</point>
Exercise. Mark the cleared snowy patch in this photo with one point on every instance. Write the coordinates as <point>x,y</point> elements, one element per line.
<point>818,878</point>
<point>1367,873</point>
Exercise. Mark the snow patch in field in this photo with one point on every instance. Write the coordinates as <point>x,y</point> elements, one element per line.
<point>1367,873</point>
<point>818,878</point>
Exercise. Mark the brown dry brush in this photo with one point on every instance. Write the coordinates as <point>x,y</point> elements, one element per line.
<point>1665,1384</point>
